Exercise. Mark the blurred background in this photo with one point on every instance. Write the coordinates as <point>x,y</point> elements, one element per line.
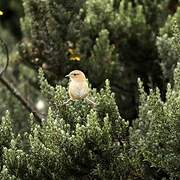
<point>12,11</point>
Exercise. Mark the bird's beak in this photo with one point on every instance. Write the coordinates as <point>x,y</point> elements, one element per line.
<point>67,76</point>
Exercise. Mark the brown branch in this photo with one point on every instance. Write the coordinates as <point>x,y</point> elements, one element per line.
<point>13,89</point>
<point>23,101</point>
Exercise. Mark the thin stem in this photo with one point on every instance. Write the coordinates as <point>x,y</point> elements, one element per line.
<point>13,89</point>
<point>92,103</point>
<point>23,101</point>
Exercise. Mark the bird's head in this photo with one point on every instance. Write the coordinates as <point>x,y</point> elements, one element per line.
<point>76,75</point>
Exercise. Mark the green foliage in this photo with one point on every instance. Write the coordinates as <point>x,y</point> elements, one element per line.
<point>120,18</point>
<point>126,24</point>
<point>110,39</point>
<point>5,134</point>
<point>154,137</point>
<point>156,11</point>
<point>49,25</point>
<point>133,42</point>
<point>75,141</point>
<point>4,175</point>
<point>23,79</point>
<point>103,59</point>
<point>168,44</point>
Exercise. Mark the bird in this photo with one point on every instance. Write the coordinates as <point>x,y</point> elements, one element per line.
<point>78,87</point>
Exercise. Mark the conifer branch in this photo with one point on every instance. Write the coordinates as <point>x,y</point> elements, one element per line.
<point>13,89</point>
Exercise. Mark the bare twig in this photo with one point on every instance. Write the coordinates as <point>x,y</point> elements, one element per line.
<point>65,103</point>
<point>13,89</point>
<point>18,95</point>
<point>90,101</point>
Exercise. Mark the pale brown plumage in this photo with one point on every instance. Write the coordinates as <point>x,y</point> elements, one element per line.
<point>78,86</point>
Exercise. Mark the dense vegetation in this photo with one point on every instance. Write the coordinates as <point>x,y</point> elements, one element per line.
<point>130,53</point>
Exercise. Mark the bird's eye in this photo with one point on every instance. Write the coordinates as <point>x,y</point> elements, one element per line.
<point>75,74</point>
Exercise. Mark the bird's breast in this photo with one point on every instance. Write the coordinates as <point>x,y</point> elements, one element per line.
<point>78,90</point>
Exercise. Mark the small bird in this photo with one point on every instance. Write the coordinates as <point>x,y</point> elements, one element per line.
<point>78,86</point>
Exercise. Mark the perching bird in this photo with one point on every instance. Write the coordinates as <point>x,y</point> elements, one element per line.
<point>78,86</point>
